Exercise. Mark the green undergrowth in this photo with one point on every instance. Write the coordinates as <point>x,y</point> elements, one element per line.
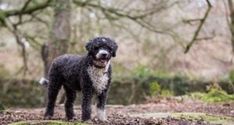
<point>46,122</point>
<point>133,87</point>
<point>213,95</point>
<point>1,107</point>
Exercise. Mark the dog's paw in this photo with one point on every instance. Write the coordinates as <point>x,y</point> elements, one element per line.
<point>100,119</point>
<point>101,115</point>
<point>103,119</point>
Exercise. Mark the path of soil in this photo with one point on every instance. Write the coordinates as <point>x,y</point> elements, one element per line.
<point>132,114</point>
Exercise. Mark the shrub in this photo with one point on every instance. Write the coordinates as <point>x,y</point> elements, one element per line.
<point>154,88</point>
<point>217,95</point>
<point>1,107</point>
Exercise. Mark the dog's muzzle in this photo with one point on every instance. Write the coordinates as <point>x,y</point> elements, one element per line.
<point>102,58</point>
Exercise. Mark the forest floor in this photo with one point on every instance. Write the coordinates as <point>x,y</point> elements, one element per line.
<point>161,112</point>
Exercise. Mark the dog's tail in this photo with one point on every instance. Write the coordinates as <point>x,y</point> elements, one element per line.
<point>43,81</point>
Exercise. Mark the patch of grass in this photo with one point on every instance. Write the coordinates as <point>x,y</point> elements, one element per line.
<point>214,95</point>
<point>46,122</point>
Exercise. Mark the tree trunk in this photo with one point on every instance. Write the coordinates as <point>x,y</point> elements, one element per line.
<point>59,36</point>
<point>231,25</point>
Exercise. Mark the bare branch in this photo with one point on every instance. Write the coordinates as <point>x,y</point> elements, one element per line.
<point>190,21</point>
<point>199,27</point>
<point>205,38</point>
<point>118,12</point>
<point>26,9</point>
<point>18,37</point>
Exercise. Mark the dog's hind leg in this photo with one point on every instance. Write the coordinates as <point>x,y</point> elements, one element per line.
<point>70,98</point>
<point>53,90</point>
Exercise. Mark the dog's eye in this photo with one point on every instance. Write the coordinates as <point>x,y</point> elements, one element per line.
<point>95,47</point>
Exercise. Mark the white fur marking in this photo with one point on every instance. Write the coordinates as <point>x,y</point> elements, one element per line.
<point>103,39</point>
<point>43,81</point>
<point>107,67</point>
<point>98,77</point>
<point>101,114</point>
<point>100,52</point>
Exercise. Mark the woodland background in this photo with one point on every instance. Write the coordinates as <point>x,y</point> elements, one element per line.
<point>167,48</point>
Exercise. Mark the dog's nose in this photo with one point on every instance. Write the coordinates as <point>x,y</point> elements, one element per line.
<point>104,55</point>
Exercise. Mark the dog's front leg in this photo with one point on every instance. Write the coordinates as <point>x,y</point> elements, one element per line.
<point>101,102</point>
<point>86,104</point>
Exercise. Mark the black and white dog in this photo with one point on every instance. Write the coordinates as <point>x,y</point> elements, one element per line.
<point>91,74</point>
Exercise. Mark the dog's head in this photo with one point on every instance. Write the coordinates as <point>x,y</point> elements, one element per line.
<point>101,49</point>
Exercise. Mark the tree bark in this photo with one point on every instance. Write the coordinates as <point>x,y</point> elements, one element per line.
<point>231,25</point>
<point>59,36</point>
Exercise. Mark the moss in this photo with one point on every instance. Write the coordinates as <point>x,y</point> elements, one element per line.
<point>46,122</point>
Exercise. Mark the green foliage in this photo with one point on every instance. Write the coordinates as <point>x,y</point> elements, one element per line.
<point>2,18</point>
<point>142,71</point>
<point>179,84</point>
<point>21,93</point>
<point>155,88</point>
<point>1,107</point>
<point>166,93</point>
<point>231,75</point>
<point>213,95</point>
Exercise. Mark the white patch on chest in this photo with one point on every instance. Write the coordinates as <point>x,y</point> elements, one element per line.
<point>98,77</point>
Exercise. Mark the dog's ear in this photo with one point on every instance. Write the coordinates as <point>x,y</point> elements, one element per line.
<point>89,46</point>
<point>114,47</point>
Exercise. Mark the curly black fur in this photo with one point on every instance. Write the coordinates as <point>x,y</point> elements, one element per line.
<point>70,71</point>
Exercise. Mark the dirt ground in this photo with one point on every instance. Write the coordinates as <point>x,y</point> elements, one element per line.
<point>151,113</point>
